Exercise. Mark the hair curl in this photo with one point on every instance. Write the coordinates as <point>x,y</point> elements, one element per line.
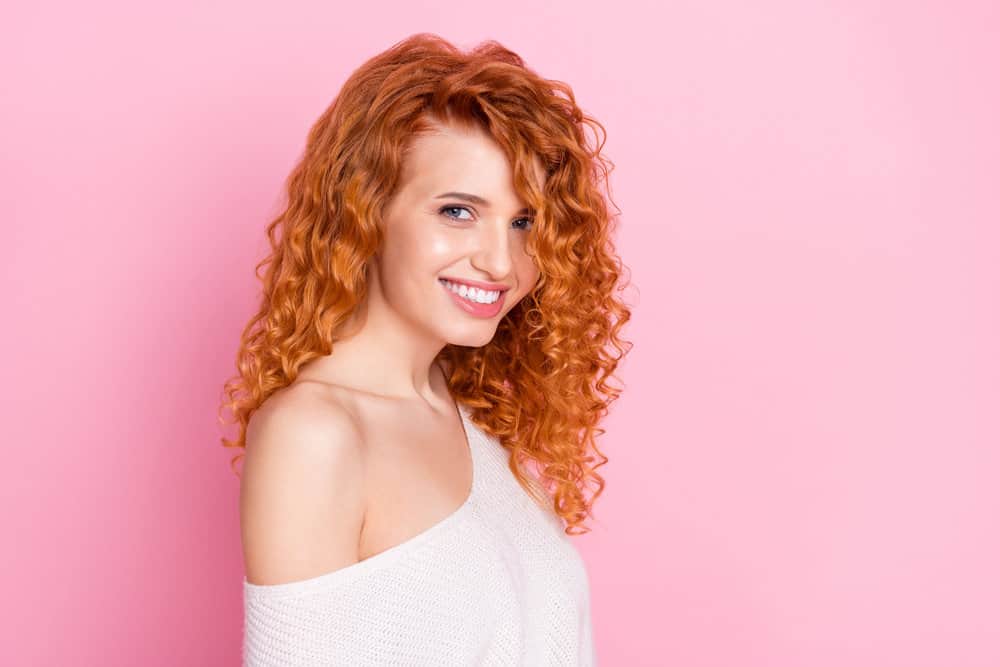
<point>541,384</point>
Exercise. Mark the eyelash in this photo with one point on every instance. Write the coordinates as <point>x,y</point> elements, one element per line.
<point>465,208</point>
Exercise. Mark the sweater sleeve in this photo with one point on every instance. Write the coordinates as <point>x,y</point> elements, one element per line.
<point>310,629</point>
<point>424,610</point>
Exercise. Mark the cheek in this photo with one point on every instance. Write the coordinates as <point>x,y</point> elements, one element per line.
<point>527,269</point>
<point>527,276</point>
<point>413,251</point>
<point>438,247</point>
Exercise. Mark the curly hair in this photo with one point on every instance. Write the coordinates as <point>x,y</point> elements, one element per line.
<point>541,385</point>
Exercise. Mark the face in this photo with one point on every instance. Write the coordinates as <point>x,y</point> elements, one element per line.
<point>454,261</point>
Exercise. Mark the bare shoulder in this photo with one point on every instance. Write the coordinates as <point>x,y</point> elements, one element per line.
<point>302,487</point>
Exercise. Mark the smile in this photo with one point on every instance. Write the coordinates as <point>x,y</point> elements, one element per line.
<point>473,300</point>
<point>472,293</point>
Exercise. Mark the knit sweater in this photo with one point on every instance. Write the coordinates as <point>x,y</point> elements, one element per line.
<point>497,582</point>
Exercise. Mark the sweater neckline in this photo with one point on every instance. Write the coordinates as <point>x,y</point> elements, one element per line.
<point>392,554</point>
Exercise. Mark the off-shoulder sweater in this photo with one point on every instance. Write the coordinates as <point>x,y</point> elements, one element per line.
<point>497,582</point>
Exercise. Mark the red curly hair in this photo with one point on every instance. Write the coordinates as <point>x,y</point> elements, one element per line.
<point>541,385</point>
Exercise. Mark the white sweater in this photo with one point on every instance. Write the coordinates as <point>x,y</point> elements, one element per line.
<point>497,582</point>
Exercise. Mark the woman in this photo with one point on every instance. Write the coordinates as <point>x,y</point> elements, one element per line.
<point>437,313</point>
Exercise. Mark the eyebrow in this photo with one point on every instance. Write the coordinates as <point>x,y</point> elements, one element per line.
<point>476,199</point>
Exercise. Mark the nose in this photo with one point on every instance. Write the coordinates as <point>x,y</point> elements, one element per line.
<point>493,253</point>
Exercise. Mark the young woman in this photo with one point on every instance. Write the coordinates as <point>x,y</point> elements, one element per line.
<point>439,315</point>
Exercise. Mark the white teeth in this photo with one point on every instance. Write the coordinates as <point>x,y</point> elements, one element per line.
<point>473,293</point>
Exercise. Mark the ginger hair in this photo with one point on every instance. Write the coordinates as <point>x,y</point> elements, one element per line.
<point>541,385</point>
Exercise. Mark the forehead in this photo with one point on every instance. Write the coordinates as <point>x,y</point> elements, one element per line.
<point>460,158</point>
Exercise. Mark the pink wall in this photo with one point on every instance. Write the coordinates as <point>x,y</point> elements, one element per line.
<point>804,466</point>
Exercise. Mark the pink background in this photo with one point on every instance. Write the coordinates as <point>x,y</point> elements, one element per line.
<point>804,464</point>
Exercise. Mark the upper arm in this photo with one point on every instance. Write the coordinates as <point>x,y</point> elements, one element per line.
<point>301,491</point>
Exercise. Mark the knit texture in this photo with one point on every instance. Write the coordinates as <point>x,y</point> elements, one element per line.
<point>497,582</point>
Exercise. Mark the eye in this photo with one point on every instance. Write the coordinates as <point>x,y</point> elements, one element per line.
<point>529,222</point>
<point>448,210</point>
<point>445,209</point>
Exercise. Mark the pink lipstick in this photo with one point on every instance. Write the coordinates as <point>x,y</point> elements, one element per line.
<point>470,302</point>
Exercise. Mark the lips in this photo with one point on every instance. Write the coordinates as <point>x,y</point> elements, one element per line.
<point>489,287</point>
<point>481,310</point>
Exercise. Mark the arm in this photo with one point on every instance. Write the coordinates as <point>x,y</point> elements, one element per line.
<point>302,489</point>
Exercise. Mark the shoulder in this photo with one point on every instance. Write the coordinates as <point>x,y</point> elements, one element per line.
<point>310,414</point>
<point>302,486</point>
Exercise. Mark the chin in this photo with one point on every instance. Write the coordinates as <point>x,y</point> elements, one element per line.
<point>473,338</point>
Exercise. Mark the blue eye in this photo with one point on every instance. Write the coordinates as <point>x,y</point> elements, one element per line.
<point>454,208</point>
<point>444,210</point>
